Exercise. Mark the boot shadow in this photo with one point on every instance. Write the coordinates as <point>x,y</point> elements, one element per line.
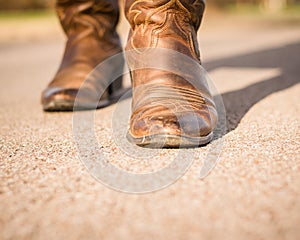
<point>237,103</point>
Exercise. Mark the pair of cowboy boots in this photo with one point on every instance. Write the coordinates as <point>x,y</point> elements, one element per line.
<point>171,104</point>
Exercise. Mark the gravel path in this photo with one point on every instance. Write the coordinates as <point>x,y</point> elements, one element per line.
<point>252,193</point>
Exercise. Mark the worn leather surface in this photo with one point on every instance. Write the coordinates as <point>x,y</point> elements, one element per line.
<point>165,102</point>
<point>90,27</point>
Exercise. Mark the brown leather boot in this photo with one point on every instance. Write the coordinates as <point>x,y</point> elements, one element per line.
<point>167,109</point>
<point>90,26</point>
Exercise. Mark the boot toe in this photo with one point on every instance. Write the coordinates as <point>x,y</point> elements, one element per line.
<point>70,99</point>
<point>184,129</point>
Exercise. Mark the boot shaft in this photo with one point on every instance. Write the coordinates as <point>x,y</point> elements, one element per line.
<point>154,12</point>
<point>165,24</point>
<point>83,15</point>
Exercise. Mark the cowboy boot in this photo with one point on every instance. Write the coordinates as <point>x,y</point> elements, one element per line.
<point>90,26</point>
<point>170,107</point>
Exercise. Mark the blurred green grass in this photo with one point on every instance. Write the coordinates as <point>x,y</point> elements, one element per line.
<point>257,10</point>
<point>26,14</point>
<point>289,15</point>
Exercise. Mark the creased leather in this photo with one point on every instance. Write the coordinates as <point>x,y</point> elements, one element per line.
<point>90,27</point>
<point>165,102</point>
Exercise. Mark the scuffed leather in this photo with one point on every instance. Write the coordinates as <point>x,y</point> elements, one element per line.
<point>90,27</point>
<point>164,102</point>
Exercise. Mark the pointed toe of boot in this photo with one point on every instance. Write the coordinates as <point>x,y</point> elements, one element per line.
<point>171,130</point>
<point>57,99</point>
<point>68,99</point>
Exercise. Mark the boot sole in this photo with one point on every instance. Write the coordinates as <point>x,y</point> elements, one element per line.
<point>170,141</point>
<point>62,105</point>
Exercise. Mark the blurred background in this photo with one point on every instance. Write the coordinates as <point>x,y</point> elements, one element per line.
<point>268,5</point>
<point>35,19</point>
